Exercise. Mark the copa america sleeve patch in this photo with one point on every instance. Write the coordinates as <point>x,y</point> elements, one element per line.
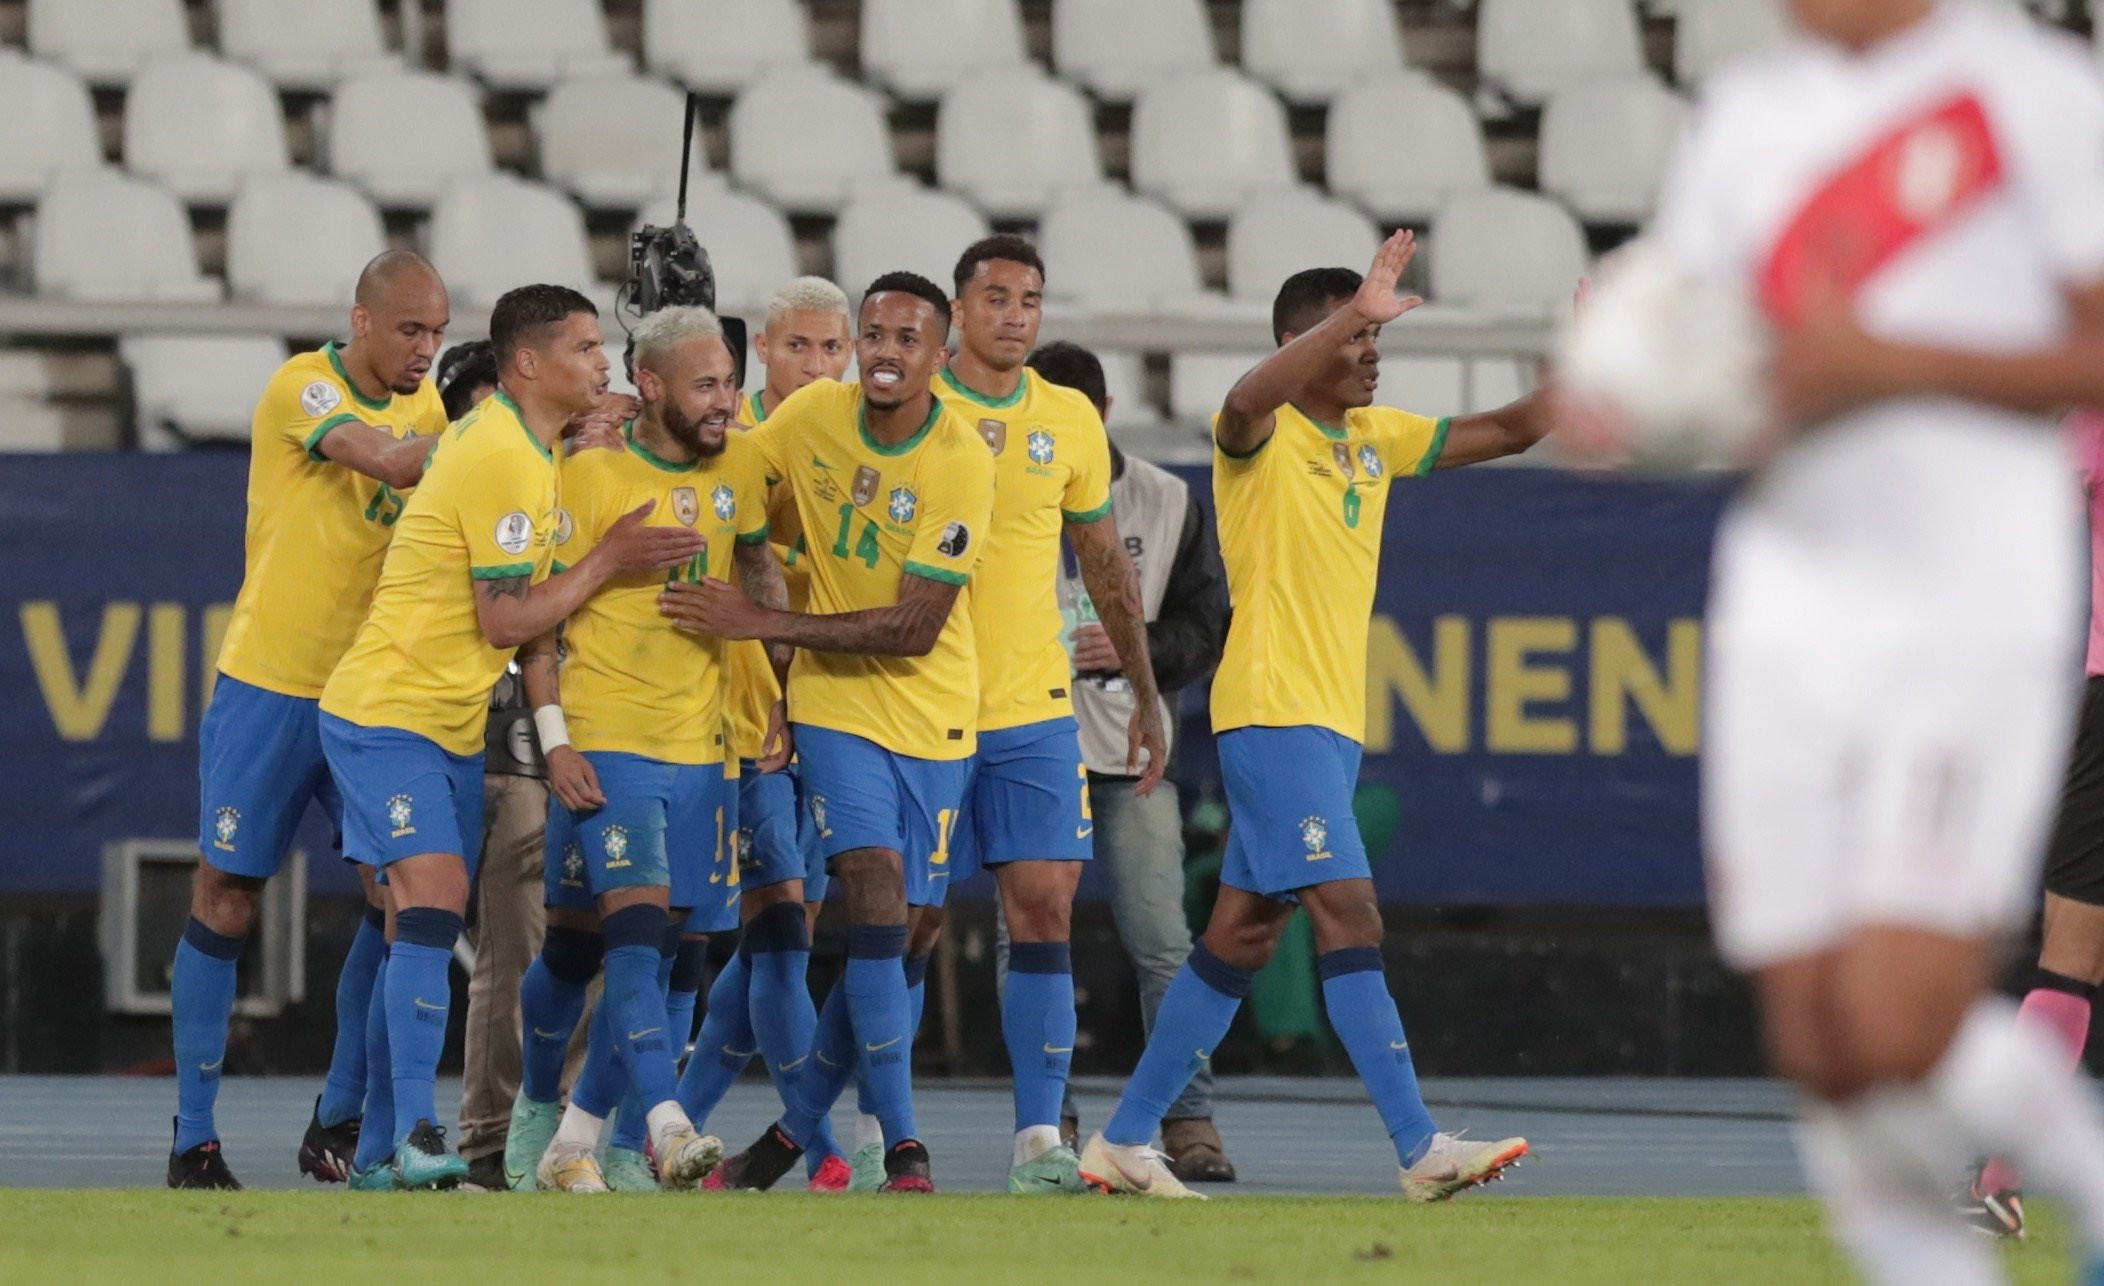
<point>956,538</point>
<point>514,532</point>
<point>320,398</point>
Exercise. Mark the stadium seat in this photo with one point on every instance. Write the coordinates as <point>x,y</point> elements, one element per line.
<point>1605,145</point>
<point>614,140</point>
<point>1506,251</point>
<point>103,235</point>
<point>402,135</point>
<point>1711,33</point>
<point>1277,235</point>
<point>530,44</point>
<point>805,140</point>
<point>105,41</point>
<point>50,126</point>
<point>1125,381</point>
<point>1198,382</point>
<point>493,232</point>
<point>919,231</point>
<point>301,45</point>
<point>1402,146</point>
<point>1116,48</point>
<point>200,125</point>
<point>1422,385</point>
<point>1108,250</point>
<point>919,48</point>
<point>297,239</point>
<point>197,388</point>
<point>1313,49</point>
<point>1205,142</point>
<point>750,244</point>
<point>721,46</point>
<point>1011,140</point>
<point>1529,49</point>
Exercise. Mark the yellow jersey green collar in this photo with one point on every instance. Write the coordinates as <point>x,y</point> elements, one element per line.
<point>516,414</point>
<point>1327,431</point>
<point>628,431</point>
<point>1022,388</point>
<point>757,408</point>
<point>361,399</point>
<point>862,426</point>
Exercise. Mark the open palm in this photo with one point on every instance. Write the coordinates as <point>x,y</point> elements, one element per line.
<point>1377,301</point>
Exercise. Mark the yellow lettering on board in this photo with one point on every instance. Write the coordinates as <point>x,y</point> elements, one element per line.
<point>79,709</point>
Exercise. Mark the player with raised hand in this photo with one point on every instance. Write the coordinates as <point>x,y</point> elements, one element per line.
<point>895,493</point>
<point>340,433</point>
<point>465,582</point>
<point>1302,467</point>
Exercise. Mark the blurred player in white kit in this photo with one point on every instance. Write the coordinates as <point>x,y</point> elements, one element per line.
<point>1913,193</point>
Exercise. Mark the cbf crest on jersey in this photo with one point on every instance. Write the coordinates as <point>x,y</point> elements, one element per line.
<point>1342,454</point>
<point>904,504</point>
<point>616,842</point>
<point>725,502</point>
<point>996,434</point>
<point>226,823</point>
<point>1370,460</point>
<point>1315,837</point>
<point>686,506</point>
<point>401,815</point>
<point>1040,447</point>
<point>866,483</point>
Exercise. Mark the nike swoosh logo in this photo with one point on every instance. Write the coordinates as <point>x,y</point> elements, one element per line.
<point>886,1045</point>
<point>1205,1055</point>
<point>829,1062</point>
<point>790,1067</point>
<point>732,900</point>
<point>716,878</point>
<point>1139,1183</point>
<point>1058,1049</point>
<point>212,1067</point>
<point>638,1035</point>
<point>1398,1045</point>
<point>739,1053</point>
<point>1083,832</point>
<point>425,1004</point>
<point>817,463</point>
<point>514,1177</point>
<point>546,1035</point>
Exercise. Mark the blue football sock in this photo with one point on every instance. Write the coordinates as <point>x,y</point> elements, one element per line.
<point>551,1000</point>
<point>631,1123</point>
<point>883,1016</point>
<point>1037,1022</point>
<point>820,1081</point>
<point>419,990</point>
<point>1362,1011</point>
<point>1196,1012</point>
<point>726,1044</point>
<point>785,1021</point>
<point>602,1080</point>
<point>636,1005</point>
<point>376,1131</point>
<point>690,968</point>
<point>343,1093</point>
<point>202,1001</point>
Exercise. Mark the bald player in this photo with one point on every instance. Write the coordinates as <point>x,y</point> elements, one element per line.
<point>339,435</point>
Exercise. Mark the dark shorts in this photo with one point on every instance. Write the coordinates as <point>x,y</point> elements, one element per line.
<point>2075,860</point>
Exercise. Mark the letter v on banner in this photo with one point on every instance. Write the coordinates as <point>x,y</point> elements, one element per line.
<point>1908,184</point>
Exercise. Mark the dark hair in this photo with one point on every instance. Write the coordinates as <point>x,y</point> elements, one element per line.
<point>1305,294</point>
<point>524,315</point>
<point>912,283</point>
<point>464,368</point>
<point>1069,365</point>
<point>1004,247</point>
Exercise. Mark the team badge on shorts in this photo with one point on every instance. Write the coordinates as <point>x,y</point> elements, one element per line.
<point>818,817</point>
<point>904,504</point>
<point>996,434</point>
<point>573,866</point>
<point>400,815</point>
<point>616,847</point>
<point>725,501</point>
<point>1040,447</point>
<point>686,506</point>
<point>1315,835</point>
<point>1342,454</point>
<point>866,482</point>
<point>225,824</point>
<point>1370,460</point>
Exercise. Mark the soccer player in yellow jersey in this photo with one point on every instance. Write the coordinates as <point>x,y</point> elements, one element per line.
<point>895,493</point>
<point>640,838</point>
<point>465,582</point>
<point>1026,813</point>
<point>761,1000</point>
<point>1301,471</point>
<point>340,433</point>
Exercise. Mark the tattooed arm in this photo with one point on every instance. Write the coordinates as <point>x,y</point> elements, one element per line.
<point>1114,587</point>
<point>908,627</point>
<point>513,610</point>
<point>760,572</point>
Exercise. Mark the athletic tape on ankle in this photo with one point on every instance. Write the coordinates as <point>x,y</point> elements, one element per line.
<point>428,926</point>
<point>641,925</point>
<point>1344,960</point>
<point>1217,973</point>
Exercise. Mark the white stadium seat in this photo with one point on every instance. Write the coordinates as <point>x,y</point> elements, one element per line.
<point>919,48</point>
<point>102,235</point>
<point>105,41</point>
<point>1313,49</point>
<point>1402,146</point>
<point>1198,382</point>
<point>1205,142</point>
<point>200,125</point>
<point>806,140</point>
<point>721,46</point>
<point>1605,145</point>
<point>1125,383</point>
<point>1529,49</point>
<point>50,126</point>
<point>1111,251</point>
<point>1711,33</point>
<point>302,45</point>
<point>918,231</point>
<point>530,44</point>
<point>1116,48</point>
<point>614,140</point>
<point>403,135</point>
<point>1010,141</point>
<point>1275,236</point>
<point>197,387</point>
<point>749,242</point>
<point>494,232</point>
<point>1505,251</point>
<point>297,239</point>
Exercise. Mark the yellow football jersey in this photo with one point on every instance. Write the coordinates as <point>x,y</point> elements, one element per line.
<point>753,690</point>
<point>1300,531</point>
<point>1051,467</point>
<point>631,682</point>
<point>487,509</point>
<point>871,515</point>
<point>316,530</point>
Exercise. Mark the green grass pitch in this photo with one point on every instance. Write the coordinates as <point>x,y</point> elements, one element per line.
<point>236,1239</point>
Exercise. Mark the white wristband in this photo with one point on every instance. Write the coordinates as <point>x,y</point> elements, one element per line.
<point>555,733</point>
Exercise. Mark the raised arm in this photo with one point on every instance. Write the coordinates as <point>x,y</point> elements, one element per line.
<point>1114,587</point>
<point>1492,435</point>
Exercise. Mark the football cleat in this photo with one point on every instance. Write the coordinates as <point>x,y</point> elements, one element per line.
<point>1053,1172</point>
<point>758,1167</point>
<point>907,1169</point>
<point>424,1162</point>
<point>1131,1170</point>
<point>834,1174</point>
<point>627,1170</point>
<point>2000,1212</point>
<point>532,1130</point>
<point>377,1177</point>
<point>867,1169</point>
<point>688,1158</point>
<point>201,1167</point>
<point>1453,1164</point>
<point>327,1150</point>
<point>569,1168</point>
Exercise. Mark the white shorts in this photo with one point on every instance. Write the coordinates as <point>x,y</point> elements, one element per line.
<point>1891,690</point>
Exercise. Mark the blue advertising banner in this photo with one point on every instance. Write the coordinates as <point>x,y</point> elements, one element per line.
<point>1533,680</point>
